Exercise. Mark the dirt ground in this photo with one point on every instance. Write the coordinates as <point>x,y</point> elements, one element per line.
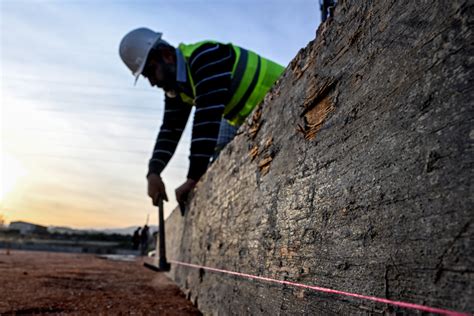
<point>77,284</point>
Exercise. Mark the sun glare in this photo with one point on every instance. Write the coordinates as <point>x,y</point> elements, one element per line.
<point>11,171</point>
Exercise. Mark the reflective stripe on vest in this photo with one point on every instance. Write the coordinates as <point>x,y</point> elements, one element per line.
<point>252,78</point>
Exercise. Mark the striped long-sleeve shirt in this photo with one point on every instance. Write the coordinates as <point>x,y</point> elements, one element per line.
<point>210,67</point>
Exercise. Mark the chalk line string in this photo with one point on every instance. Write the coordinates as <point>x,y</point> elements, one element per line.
<point>327,290</point>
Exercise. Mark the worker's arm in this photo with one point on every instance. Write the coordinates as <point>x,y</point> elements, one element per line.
<point>210,68</point>
<point>174,121</point>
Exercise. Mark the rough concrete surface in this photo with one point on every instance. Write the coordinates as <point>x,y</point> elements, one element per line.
<point>353,174</point>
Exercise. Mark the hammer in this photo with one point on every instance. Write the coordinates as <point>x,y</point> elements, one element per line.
<point>163,263</point>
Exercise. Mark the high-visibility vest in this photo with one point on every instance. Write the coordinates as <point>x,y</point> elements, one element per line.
<point>252,77</point>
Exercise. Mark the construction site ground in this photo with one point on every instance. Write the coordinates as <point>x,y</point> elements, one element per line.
<point>78,284</point>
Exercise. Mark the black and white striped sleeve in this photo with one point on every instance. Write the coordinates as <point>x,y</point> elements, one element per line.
<point>210,67</point>
<point>174,121</point>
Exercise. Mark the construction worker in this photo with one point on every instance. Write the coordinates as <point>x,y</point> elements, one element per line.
<point>223,81</point>
<point>136,239</point>
<point>144,238</point>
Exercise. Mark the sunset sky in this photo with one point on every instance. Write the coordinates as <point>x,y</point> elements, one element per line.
<point>76,135</point>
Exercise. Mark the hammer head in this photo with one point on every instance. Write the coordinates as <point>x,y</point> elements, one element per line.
<point>164,267</point>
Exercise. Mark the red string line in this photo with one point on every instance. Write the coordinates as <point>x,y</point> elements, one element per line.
<point>326,290</point>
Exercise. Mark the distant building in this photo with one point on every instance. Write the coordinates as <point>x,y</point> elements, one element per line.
<point>27,228</point>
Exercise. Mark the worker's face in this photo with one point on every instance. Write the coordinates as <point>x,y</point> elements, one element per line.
<point>161,72</point>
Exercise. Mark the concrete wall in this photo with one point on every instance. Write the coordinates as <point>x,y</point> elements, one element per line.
<point>355,174</point>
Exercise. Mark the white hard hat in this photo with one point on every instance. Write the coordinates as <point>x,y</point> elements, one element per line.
<point>135,47</point>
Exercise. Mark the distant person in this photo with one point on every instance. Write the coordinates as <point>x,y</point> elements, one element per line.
<point>144,236</point>
<point>223,82</point>
<point>327,9</point>
<point>136,239</point>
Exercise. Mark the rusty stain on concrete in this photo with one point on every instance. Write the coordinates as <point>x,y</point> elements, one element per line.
<point>264,164</point>
<point>255,123</point>
<point>253,153</point>
<point>317,106</point>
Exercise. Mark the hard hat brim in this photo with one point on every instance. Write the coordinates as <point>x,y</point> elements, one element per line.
<point>136,79</point>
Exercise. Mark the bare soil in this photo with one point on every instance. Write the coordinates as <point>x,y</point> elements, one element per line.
<point>78,284</point>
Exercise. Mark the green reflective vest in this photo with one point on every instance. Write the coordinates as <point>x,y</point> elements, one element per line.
<point>252,78</point>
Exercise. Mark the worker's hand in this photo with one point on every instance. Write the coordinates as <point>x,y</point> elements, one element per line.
<point>156,188</point>
<point>183,191</point>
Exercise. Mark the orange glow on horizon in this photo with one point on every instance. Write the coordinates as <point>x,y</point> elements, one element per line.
<point>11,172</point>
